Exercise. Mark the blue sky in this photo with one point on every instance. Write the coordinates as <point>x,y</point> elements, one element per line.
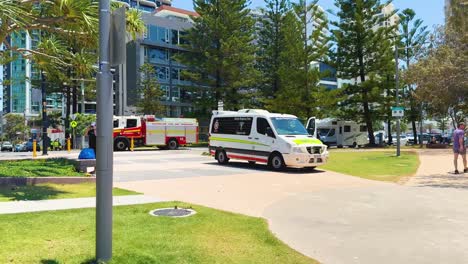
<point>431,11</point>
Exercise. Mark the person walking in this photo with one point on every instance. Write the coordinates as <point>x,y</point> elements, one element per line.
<point>91,133</point>
<point>459,148</point>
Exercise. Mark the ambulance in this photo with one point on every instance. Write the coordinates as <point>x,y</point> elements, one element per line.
<point>149,131</point>
<point>255,135</point>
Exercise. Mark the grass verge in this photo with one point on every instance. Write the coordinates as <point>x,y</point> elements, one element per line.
<point>38,168</point>
<point>210,236</point>
<point>374,165</point>
<point>53,191</point>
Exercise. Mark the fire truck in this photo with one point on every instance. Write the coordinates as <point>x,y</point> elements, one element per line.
<point>147,130</point>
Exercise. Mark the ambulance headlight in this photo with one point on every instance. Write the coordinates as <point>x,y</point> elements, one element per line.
<point>298,150</point>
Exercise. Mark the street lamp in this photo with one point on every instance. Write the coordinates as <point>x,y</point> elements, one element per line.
<point>45,121</point>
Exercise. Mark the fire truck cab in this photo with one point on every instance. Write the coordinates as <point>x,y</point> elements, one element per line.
<point>150,131</point>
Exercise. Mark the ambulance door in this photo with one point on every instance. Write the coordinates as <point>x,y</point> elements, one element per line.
<point>311,127</point>
<point>264,138</point>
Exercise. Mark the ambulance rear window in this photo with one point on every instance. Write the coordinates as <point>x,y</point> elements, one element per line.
<point>232,125</point>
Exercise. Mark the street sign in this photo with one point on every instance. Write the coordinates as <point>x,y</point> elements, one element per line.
<point>398,111</point>
<point>73,116</point>
<point>73,124</point>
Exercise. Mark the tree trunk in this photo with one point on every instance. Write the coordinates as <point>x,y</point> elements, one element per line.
<point>365,97</point>
<point>389,129</point>
<point>415,132</point>
<point>389,120</point>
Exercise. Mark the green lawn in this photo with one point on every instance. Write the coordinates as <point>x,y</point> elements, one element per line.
<point>210,236</point>
<point>52,191</point>
<point>38,168</point>
<point>373,165</point>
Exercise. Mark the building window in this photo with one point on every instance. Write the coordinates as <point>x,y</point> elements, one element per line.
<point>165,90</point>
<point>183,38</point>
<point>174,37</point>
<point>175,74</point>
<point>153,32</point>
<point>158,55</point>
<point>162,73</point>
<point>162,35</point>
<point>175,93</point>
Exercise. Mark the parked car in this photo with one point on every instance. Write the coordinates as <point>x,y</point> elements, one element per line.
<point>403,140</point>
<point>426,138</point>
<point>20,148</point>
<point>7,146</point>
<point>29,146</point>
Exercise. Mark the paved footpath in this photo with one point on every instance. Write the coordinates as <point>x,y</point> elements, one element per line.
<point>74,203</point>
<point>341,219</point>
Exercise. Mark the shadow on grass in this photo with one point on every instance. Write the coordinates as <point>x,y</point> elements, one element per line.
<point>53,261</point>
<point>29,193</point>
<point>49,261</point>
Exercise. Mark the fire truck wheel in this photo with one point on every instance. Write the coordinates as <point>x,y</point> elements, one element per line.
<point>120,144</point>
<point>172,144</point>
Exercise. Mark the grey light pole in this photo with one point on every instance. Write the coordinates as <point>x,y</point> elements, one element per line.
<point>397,97</point>
<point>45,121</point>
<point>104,155</point>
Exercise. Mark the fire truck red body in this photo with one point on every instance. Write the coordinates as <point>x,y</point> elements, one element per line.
<point>149,131</point>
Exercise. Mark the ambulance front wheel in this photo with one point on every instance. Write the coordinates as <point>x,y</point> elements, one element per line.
<point>172,144</point>
<point>222,157</point>
<point>276,162</point>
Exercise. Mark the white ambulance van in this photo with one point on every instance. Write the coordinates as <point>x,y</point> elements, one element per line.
<point>254,135</point>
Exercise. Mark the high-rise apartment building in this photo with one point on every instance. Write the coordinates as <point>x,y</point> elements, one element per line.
<point>21,90</point>
<point>166,28</point>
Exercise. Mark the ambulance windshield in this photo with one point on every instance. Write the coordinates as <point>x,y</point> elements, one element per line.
<point>288,126</point>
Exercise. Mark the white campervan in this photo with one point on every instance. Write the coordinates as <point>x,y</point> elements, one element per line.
<point>278,140</point>
<point>333,132</point>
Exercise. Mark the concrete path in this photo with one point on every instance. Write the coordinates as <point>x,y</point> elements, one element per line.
<point>75,203</point>
<point>385,224</point>
<point>248,193</point>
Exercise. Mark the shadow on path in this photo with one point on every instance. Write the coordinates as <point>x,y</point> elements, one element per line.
<point>263,167</point>
<point>459,181</point>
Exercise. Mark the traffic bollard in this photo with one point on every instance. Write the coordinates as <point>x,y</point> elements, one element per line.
<point>34,148</point>
<point>132,144</point>
<point>68,145</point>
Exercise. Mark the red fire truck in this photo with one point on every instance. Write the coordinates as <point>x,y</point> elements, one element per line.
<point>149,131</point>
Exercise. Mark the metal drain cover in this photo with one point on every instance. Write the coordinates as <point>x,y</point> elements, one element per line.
<point>173,212</point>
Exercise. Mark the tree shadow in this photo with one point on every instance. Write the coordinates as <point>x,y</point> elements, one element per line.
<point>443,181</point>
<point>29,193</point>
<point>53,261</point>
<point>49,261</point>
